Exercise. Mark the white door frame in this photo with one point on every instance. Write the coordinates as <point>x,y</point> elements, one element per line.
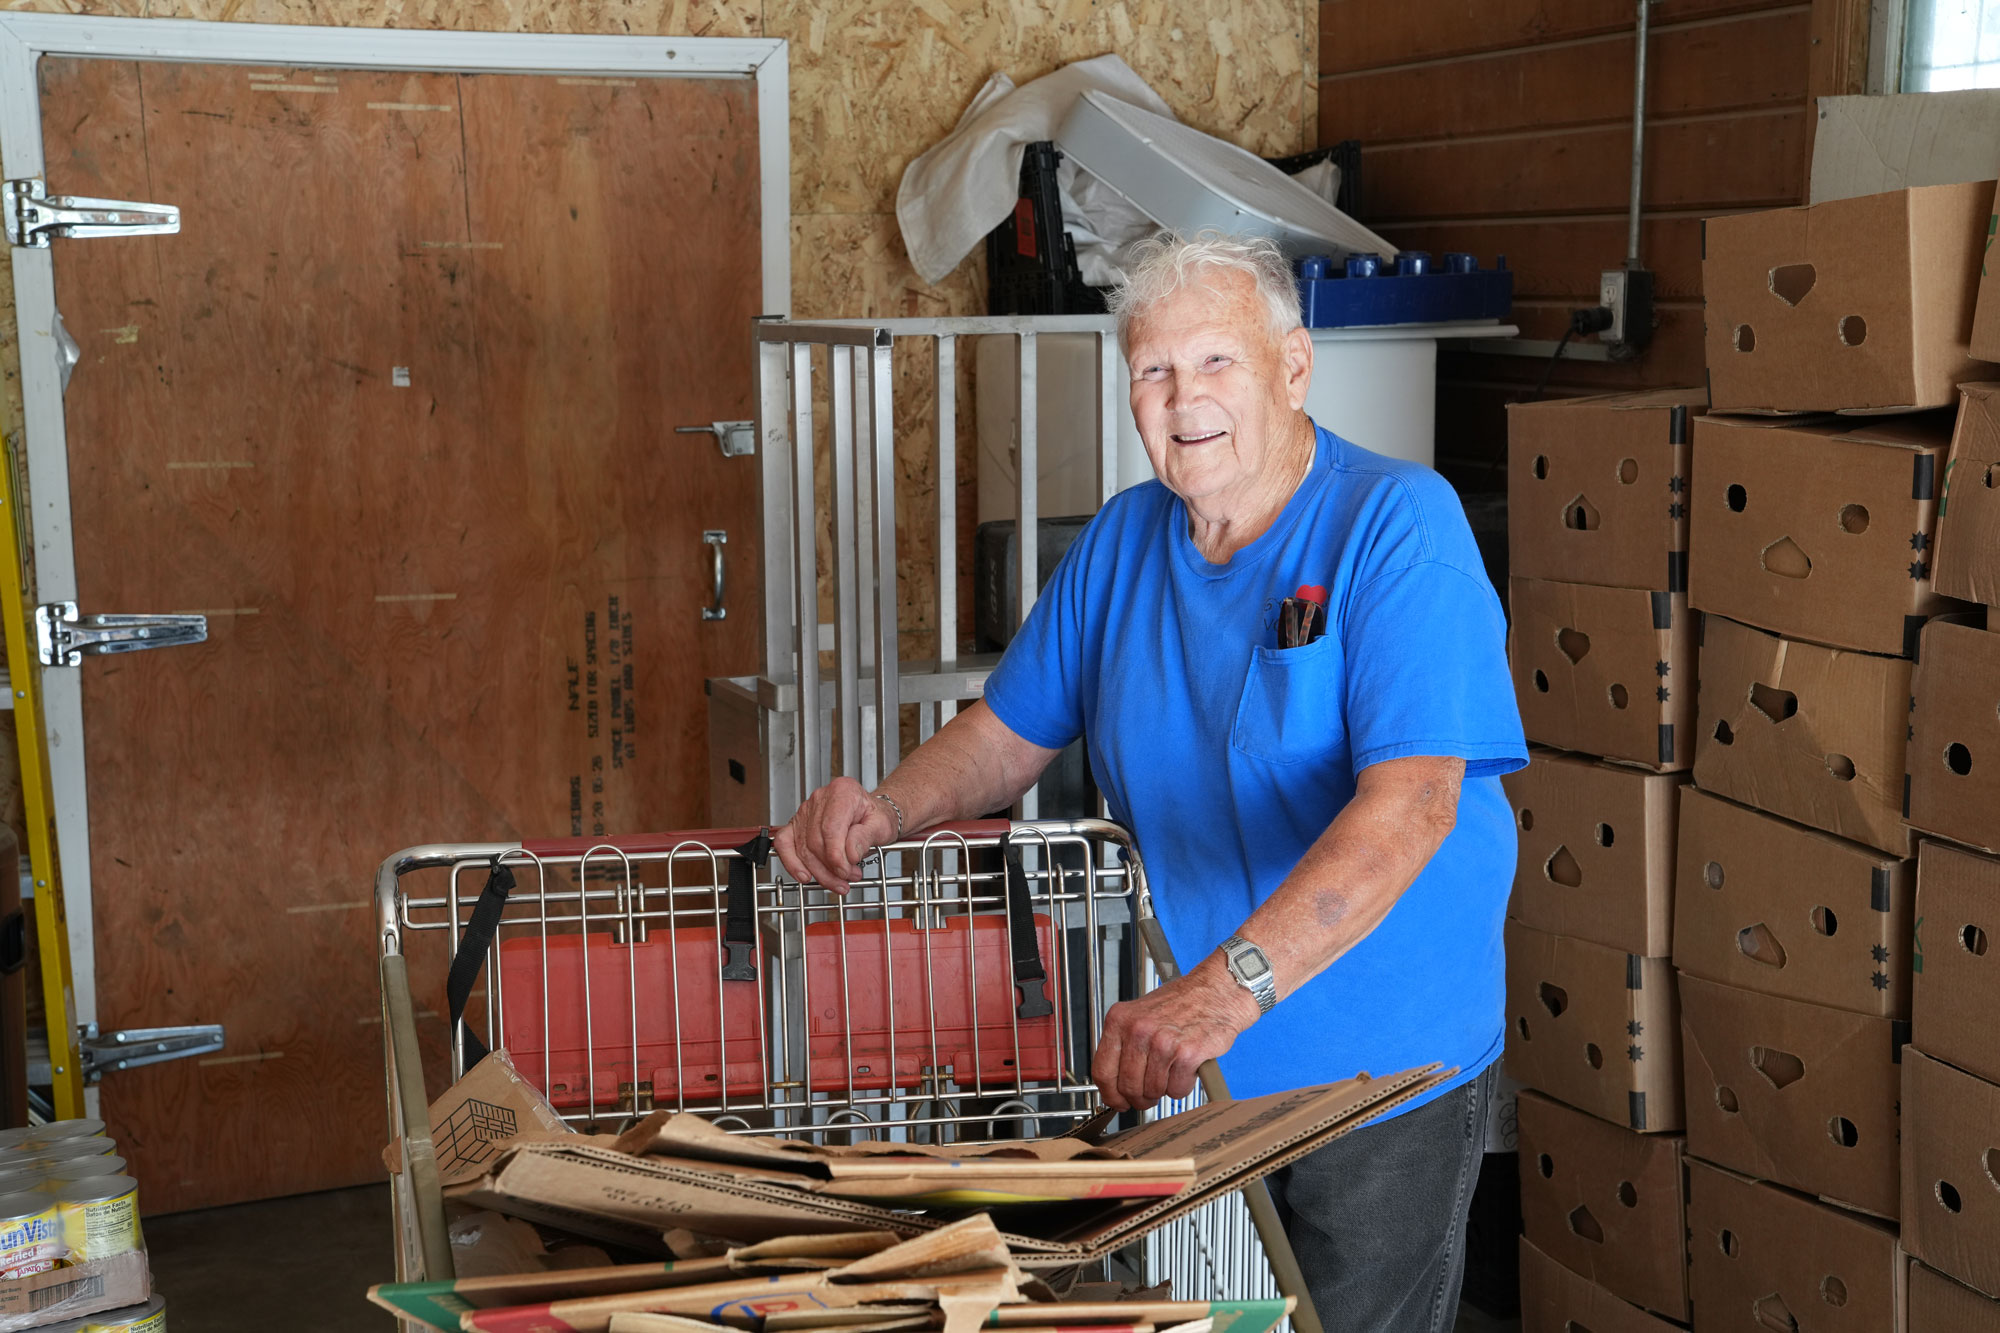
<point>25,38</point>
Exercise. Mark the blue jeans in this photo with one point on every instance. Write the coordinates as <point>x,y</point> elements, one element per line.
<point>1377,1217</point>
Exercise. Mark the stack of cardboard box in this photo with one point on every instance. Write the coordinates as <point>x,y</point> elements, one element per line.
<point>1785,882</point>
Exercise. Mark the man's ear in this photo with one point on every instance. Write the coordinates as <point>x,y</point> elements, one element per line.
<point>1296,356</point>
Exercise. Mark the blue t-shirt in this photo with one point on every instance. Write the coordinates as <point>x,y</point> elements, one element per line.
<point>1228,758</point>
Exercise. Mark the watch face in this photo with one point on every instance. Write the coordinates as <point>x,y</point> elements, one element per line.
<point>1251,963</point>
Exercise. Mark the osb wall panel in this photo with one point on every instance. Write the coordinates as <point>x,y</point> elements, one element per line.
<point>872,87</point>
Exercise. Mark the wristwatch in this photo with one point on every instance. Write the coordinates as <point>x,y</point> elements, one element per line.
<point>1252,971</point>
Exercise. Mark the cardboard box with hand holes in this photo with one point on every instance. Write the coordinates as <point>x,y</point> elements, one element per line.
<point>1606,1203</point>
<point>1986,314</point>
<point>1596,851</point>
<point>1854,305</point>
<point>1951,1162</point>
<point>1819,530</point>
<point>1954,746</point>
<point>1768,905</point>
<point>1761,1259</point>
<point>1940,1305</point>
<point>1606,671</point>
<point>1955,995</point>
<point>1810,733</point>
<point>1798,1094</point>
<point>1968,542</point>
<point>1555,1300</point>
<point>1597,488</point>
<point>1595,1027</point>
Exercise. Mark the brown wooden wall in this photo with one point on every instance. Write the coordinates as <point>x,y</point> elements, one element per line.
<point>1504,127</point>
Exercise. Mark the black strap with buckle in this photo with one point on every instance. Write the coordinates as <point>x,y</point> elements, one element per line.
<point>473,947</point>
<point>1029,976</point>
<point>739,932</point>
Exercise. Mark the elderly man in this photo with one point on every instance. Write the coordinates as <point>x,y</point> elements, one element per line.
<point>1323,824</point>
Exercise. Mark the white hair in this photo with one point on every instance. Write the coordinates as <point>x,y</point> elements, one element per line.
<point>1161,265</point>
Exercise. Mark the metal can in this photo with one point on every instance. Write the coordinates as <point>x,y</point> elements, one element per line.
<point>148,1318</point>
<point>34,1137</point>
<point>100,1216</point>
<point>31,1234</point>
<point>70,1150</point>
<point>78,1168</point>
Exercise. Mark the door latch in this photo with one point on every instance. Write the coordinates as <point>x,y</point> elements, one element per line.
<point>62,637</point>
<point>34,215</point>
<point>737,439</point>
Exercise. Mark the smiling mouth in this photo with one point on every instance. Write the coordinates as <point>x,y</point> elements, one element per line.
<point>1198,437</point>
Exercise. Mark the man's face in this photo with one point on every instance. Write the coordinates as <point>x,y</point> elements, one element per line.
<point>1213,391</point>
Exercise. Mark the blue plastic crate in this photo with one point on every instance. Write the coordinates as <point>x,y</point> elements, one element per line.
<point>1411,290</point>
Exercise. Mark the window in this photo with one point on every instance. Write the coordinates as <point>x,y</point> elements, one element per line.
<point>1951,44</point>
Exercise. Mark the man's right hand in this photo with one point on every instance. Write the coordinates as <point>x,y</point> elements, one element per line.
<point>832,832</point>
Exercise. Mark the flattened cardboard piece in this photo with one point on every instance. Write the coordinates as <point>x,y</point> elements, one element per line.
<point>490,1106</point>
<point>1594,1027</point>
<point>1596,851</point>
<point>1986,314</point>
<point>968,1174</point>
<point>1798,1094</point>
<point>1951,1171</point>
<point>1940,1305</point>
<point>1259,1316</point>
<point>440,1303</point>
<point>1954,747</point>
<point>1762,1258</point>
<point>1867,144</point>
<point>1821,529</point>
<point>596,1191</point>
<point>1555,1300</point>
<point>1607,671</point>
<point>1856,305</point>
<point>70,1293</point>
<point>1811,733</point>
<point>1767,905</point>
<point>1955,995</point>
<point>1606,1203</point>
<point>1597,488</point>
<point>1968,541</point>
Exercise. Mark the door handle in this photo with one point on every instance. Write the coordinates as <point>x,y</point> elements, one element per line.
<point>716,540</point>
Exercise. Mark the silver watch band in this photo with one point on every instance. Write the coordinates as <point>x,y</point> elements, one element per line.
<point>1252,970</point>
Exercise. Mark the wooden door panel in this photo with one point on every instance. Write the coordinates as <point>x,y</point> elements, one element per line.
<point>404,573</point>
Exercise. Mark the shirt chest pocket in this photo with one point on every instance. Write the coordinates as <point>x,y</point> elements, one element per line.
<point>1292,704</point>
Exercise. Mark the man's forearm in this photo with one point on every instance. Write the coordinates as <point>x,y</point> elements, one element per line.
<point>1353,874</point>
<point>973,765</point>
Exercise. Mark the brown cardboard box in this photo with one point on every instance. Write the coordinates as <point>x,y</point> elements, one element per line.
<point>1608,671</point>
<point>1555,1300</point>
<point>1814,734</point>
<point>1819,530</point>
<point>1597,488</point>
<point>1939,1305</point>
<point>70,1293</point>
<point>588,1187</point>
<point>1955,1000</point>
<point>1986,315</point>
<point>1951,1171</point>
<point>1968,544</point>
<point>1596,851</point>
<point>1954,749</point>
<point>1951,1155</point>
<point>1762,1259</point>
<point>1772,906</point>
<point>1858,304</point>
<point>1605,1202</point>
<point>1596,1027</point>
<point>1794,1093</point>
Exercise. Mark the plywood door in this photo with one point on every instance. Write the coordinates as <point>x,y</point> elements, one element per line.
<point>395,410</point>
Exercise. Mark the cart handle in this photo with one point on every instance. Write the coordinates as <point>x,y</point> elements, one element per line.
<point>636,844</point>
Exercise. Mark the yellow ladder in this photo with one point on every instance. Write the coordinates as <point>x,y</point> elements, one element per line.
<point>51,922</point>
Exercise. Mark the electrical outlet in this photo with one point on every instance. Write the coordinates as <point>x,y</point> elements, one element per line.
<point>1628,294</point>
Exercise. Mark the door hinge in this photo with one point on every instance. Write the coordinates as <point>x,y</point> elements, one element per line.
<point>34,216</point>
<point>62,637</point>
<point>125,1048</point>
<point>736,439</point>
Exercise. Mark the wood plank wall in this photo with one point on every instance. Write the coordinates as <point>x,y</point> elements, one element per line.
<point>1504,127</point>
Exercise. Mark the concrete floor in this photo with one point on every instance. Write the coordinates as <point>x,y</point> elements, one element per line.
<point>226,1270</point>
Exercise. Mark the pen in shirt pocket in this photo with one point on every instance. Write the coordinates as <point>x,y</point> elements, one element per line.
<point>1301,619</point>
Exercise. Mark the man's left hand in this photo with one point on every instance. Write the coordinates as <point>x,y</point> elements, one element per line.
<point>1153,1045</point>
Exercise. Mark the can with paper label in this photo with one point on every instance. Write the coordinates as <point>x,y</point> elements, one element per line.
<point>31,1234</point>
<point>148,1318</point>
<point>37,1136</point>
<point>77,1169</point>
<point>100,1216</point>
